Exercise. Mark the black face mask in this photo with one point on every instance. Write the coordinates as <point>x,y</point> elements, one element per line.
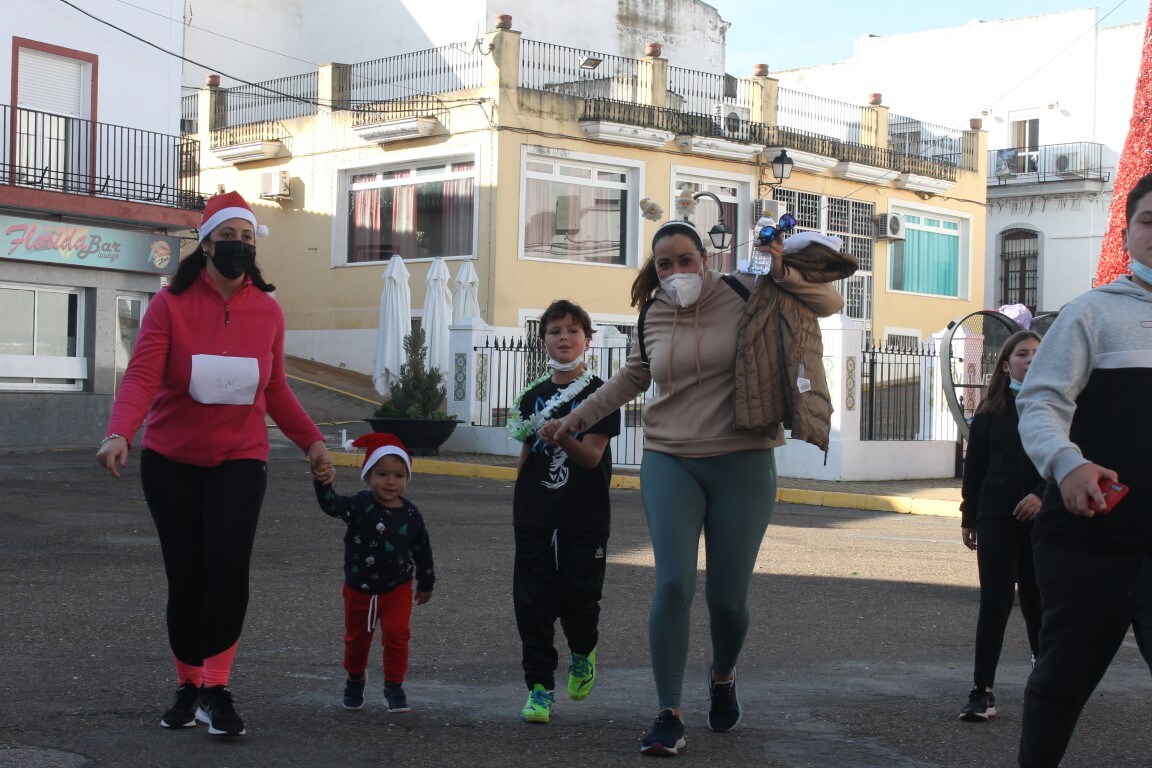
<point>233,257</point>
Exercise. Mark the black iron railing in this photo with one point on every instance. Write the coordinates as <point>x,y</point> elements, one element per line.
<point>898,399</point>
<point>704,92</point>
<point>1048,163</point>
<point>249,134</point>
<point>66,154</point>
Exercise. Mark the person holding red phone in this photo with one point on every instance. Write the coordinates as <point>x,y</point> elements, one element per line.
<point>1084,419</point>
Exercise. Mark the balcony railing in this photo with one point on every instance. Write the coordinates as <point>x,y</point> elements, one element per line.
<point>412,75</point>
<point>1047,163</point>
<point>916,138</point>
<point>701,92</point>
<point>66,154</point>
<point>577,72</point>
<point>281,99</point>
<point>189,114</point>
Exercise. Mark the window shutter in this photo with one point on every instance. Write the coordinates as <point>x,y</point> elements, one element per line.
<point>54,84</point>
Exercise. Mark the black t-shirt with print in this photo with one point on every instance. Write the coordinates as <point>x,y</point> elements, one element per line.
<point>552,491</point>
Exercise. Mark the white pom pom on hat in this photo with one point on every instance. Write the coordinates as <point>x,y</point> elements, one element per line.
<point>229,205</point>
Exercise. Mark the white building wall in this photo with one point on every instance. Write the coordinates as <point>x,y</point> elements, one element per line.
<point>301,34</point>
<point>138,84</point>
<point>1077,82</point>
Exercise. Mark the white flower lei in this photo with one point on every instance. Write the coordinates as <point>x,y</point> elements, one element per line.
<point>520,428</point>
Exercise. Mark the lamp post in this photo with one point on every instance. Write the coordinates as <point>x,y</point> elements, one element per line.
<point>721,233</point>
<point>781,169</point>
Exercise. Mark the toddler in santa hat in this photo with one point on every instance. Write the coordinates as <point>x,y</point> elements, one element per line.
<point>386,548</point>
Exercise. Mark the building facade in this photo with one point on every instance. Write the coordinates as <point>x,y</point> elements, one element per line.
<point>530,159</point>
<point>97,185</point>
<point>1054,95</point>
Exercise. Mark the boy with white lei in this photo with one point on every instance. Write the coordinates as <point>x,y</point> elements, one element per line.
<point>561,515</point>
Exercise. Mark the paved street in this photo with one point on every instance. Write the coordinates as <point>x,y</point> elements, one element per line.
<point>859,652</point>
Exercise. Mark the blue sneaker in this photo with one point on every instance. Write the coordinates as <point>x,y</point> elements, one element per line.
<point>724,711</point>
<point>666,738</point>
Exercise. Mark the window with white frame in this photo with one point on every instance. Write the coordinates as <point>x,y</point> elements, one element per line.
<point>40,338</point>
<point>421,210</point>
<point>577,210</point>
<point>930,260</point>
<point>852,222</point>
<point>706,216</point>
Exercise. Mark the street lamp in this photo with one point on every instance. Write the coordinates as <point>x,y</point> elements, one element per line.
<point>721,233</point>
<point>781,169</point>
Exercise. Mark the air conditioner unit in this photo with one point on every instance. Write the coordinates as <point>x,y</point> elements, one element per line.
<point>276,185</point>
<point>731,121</point>
<point>1068,164</point>
<point>765,207</point>
<point>890,226</point>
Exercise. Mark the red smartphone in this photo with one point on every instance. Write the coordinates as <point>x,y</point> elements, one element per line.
<point>1113,491</point>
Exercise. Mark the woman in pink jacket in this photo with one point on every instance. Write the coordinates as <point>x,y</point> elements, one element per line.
<point>207,366</point>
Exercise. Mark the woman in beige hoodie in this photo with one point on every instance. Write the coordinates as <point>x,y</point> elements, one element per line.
<point>698,472</point>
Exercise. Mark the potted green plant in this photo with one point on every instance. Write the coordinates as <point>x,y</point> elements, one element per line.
<point>414,410</point>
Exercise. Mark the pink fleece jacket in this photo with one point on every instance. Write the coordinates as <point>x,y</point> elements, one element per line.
<point>200,322</point>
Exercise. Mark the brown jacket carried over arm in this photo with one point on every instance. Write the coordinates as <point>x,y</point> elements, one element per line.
<point>780,352</point>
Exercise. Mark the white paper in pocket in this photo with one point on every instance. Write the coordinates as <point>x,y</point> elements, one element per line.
<point>220,380</point>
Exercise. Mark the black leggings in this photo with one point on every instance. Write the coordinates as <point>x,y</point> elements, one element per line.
<point>206,520</point>
<point>1004,554</point>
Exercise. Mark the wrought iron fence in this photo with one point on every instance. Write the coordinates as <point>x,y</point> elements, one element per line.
<point>68,154</point>
<point>704,92</point>
<point>900,393</point>
<point>577,72</point>
<point>1047,163</point>
<point>454,67</point>
<point>248,134</point>
<point>505,366</point>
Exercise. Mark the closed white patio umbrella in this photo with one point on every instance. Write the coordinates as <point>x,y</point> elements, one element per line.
<point>437,317</point>
<point>465,301</point>
<point>395,323</point>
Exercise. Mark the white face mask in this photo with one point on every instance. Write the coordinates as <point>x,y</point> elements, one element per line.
<point>566,366</point>
<point>683,287</point>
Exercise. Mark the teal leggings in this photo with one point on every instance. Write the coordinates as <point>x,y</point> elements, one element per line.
<point>730,498</point>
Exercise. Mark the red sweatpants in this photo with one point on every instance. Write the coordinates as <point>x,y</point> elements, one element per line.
<point>392,612</point>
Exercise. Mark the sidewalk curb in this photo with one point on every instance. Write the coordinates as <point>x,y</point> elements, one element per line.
<point>902,504</point>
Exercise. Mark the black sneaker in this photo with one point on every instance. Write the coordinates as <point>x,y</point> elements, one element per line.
<point>981,706</point>
<point>354,692</point>
<point>397,700</point>
<point>724,712</point>
<point>183,711</point>
<point>666,737</point>
<point>217,711</point>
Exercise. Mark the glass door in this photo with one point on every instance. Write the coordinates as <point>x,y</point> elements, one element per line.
<point>129,311</point>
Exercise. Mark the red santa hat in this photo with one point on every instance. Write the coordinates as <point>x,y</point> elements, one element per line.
<point>376,446</point>
<point>228,205</point>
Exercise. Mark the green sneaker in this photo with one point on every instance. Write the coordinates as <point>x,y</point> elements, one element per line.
<point>581,675</point>
<point>538,708</point>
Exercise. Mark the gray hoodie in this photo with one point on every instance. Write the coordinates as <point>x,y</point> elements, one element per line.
<point>1088,397</point>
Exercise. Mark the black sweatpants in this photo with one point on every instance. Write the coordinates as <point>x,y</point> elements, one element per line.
<point>1090,600</point>
<point>206,520</point>
<point>1004,555</point>
<point>556,575</point>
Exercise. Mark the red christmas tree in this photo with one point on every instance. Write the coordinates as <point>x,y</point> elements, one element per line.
<point>1135,161</point>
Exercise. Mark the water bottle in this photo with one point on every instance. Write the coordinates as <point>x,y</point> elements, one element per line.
<point>760,262</point>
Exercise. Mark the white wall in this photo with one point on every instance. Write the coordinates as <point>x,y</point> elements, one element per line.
<point>138,85</point>
<point>297,35</point>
